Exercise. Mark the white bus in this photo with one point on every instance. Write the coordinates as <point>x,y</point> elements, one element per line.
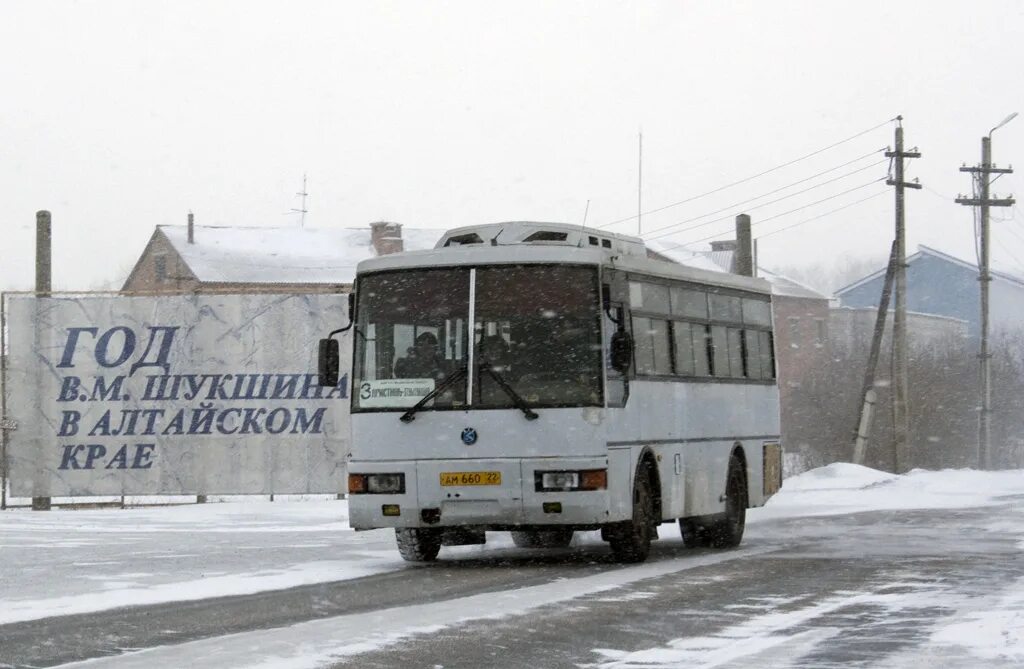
<point>545,378</point>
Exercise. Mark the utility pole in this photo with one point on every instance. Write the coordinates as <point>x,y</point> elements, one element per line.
<point>867,394</point>
<point>901,420</point>
<point>982,200</point>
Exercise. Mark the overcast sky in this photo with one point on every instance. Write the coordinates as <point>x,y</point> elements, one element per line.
<point>120,116</point>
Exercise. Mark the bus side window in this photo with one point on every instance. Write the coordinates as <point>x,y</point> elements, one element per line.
<point>617,390</point>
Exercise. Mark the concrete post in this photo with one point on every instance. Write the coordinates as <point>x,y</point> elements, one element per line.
<point>744,246</point>
<point>43,286</point>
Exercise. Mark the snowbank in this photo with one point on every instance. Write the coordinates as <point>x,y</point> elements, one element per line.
<point>847,488</point>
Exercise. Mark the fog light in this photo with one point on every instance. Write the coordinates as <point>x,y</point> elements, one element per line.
<point>391,510</point>
<point>382,484</point>
<point>356,484</point>
<point>560,480</point>
<point>552,507</point>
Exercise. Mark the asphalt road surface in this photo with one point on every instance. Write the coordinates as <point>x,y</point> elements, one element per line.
<point>856,590</point>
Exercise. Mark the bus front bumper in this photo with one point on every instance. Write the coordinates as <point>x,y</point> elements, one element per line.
<point>496,494</point>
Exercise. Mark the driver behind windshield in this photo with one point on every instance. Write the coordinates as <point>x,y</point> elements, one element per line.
<point>423,360</point>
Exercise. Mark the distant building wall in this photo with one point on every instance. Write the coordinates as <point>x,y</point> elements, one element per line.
<point>853,329</point>
<point>934,286</point>
<point>801,346</point>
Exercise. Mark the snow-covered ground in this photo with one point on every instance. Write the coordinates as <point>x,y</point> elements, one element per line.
<point>77,561</point>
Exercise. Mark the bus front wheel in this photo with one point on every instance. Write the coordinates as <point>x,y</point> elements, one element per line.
<point>631,541</point>
<point>418,544</point>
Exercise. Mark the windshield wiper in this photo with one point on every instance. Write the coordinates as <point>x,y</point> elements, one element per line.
<point>516,397</point>
<point>449,380</point>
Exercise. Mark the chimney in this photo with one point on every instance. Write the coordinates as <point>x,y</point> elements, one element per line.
<point>744,258</point>
<point>723,245</point>
<point>191,228</point>
<point>386,237</point>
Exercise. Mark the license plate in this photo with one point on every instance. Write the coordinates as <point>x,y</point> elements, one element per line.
<point>470,478</point>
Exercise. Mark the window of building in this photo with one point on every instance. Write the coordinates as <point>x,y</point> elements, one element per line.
<point>820,332</point>
<point>794,331</point>
<point>160,268</point>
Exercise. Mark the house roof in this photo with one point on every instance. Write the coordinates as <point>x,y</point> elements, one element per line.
<point>281,255</point>
<point>923,251</point>
<point>721,261</point>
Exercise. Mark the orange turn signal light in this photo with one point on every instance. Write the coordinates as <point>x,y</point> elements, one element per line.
<point>356,484</point>
<point>595,479</point>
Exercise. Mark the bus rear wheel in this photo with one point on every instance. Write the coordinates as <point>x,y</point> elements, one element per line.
<point>552,538</point>
<point>631,541</point>
<point>416,544</point>
<point>728,532</point>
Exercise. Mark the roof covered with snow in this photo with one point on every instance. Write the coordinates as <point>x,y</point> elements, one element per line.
<point>281,255</point>
<point>720,261</point>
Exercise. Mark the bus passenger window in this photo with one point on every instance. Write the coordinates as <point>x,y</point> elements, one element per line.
<point>752,347</point>
<point>726,308</point>
<point>691,348</point>
<point>650,337</point>
<point>765,346</point>
<point>735,353</point>
<point>720,351</point>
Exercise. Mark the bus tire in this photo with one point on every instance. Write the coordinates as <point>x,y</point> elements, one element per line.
<point>728,532</point>
<point>553,538</point>
<point>417,544</point>
<point>631,541</point>
<point>694,534</point>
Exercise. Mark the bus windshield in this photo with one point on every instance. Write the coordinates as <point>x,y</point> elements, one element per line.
<point>536,338</point>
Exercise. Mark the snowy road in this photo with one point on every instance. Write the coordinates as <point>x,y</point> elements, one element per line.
<point>846,567</point>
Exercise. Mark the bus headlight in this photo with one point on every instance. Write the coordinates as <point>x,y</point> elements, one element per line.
<point>561,481</point>
<point>376,484</point>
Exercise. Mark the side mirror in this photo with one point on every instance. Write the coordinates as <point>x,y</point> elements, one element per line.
<point>351,307</point>
<point>328,362</point>
<point>622,351</point>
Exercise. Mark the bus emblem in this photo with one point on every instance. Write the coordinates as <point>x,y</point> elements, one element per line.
<point>469,436</point>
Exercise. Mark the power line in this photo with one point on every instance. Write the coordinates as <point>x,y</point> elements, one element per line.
<point>751,178</point>
<point>726,218</point>
<point>814,218</point>
<point>765,204</point>
<point>785,213</point>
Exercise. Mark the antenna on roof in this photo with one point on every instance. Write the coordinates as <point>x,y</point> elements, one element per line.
<point>302,211</point>
<point>639,181</point>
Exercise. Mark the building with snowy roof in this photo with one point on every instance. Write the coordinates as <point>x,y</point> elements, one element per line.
<point>198,258</point>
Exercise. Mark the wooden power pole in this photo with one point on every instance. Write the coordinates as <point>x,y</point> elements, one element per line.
<point>901,419</point>
<point>982,200</point>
